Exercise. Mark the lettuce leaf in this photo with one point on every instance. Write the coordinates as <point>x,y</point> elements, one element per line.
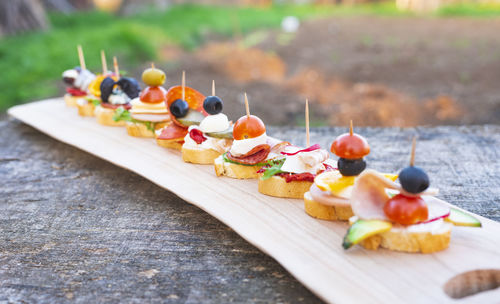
<point>273,168</point>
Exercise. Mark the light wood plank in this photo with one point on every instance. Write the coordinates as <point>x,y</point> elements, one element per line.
<point>310,249</point>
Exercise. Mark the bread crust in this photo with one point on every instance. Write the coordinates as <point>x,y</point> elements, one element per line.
<point>413,242</point>
<point>140,129</point>
<point>278,187</point>
<point>104,116</point>
<point>169,143</point>
<point>324,212</point>
<point>198,155</point>
<point>86,109</point>
<point>71,100</point>
<point>223,168</point>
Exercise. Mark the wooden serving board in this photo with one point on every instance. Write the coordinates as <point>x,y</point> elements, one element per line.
<point>309,249</point>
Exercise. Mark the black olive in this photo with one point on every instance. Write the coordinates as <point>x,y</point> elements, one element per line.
<point>129,86</point>
<point>351,167</point>
<point>179,108</point>
<point>69,80</point>
<point>414,180</point>
<point>213,105</point>
<point>106,87</point>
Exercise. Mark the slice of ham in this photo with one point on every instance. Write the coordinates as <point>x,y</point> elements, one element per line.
<point>173,131</point>
<point>111,106</point>
<point>325,197</point>
<point>369,197</point>
<point>254,156</point>
<point>151,117</point>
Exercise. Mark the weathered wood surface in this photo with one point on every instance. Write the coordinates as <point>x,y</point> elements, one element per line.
<point>73,230</point>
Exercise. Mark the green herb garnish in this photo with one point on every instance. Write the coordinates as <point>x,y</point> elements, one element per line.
<point>273,167</point>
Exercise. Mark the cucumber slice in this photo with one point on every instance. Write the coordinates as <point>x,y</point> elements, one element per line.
<point>460,218</point>
<point>363,229</point>
<point>223,134</point>
<point>192,118</point>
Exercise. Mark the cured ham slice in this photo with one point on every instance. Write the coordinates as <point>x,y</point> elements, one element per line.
<point>173,131</point>
<point>254,156</point>
<point>151,117</point>
<point>369,196</point>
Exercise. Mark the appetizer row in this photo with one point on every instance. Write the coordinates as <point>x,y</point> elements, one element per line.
<point>404,216</point>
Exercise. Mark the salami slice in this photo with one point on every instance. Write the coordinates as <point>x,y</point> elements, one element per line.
<point>254,156</point>
<point>173,131</point>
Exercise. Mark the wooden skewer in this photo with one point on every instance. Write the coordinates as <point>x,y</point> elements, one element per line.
<point>213,87</point>
<point>152,65</point>
<point>307,124</point>
<point>104,63</point>
<point>115,64</point>
<point>81,58</point>
<point>413,146</point>
<point>183,85</point>
<point>247,108</point>
<point>350,128</point>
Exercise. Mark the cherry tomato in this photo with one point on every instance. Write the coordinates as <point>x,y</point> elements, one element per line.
<point>248,127</point>
<point>350,146</point>
<point>153,95</point>
<point>406,210</point>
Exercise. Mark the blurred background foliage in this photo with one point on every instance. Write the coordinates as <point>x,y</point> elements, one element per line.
<point>38,44</point>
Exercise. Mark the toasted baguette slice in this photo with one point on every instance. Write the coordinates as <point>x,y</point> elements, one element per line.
<point>277,186</point>
<point>71,100</point>
<point>324,212</point>
<point>399,239</point>
<point>141,130</point>
<point>85,108</point>
<point>170,143</point>
<point>105,117</point>
<point>223,168</point>
<point>198,155</point>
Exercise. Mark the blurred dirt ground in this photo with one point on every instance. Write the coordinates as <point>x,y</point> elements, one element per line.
<point>378,71</point>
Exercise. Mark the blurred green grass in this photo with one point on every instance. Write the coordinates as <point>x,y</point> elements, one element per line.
<point>31,64</point>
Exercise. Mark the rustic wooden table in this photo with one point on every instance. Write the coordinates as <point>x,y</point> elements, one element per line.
<point>75,228</point>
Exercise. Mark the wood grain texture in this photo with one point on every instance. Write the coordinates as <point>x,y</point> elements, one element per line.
<point>308,248</point>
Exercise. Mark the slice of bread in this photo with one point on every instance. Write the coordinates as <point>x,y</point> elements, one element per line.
<point>277,186</point>
<point>170,143</point>
<point>223,168</point>
<point>70,100</point>
<point>141,130</point>
<point>400,239</point>
<point>324,212</point>
<point>104,116</point>
<point>86,109</point>
<point>197,155</point>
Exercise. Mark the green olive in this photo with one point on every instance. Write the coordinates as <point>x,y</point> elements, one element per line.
<point>153,77</point>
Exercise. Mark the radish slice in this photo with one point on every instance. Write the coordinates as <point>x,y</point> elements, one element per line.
<point>438,209</point>
<point>311,148</point>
